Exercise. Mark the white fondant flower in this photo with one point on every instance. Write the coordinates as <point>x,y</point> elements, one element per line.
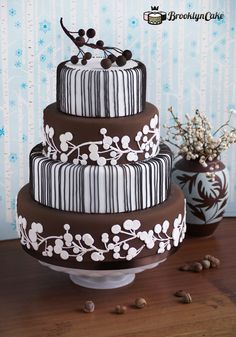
<point>64,255</point>
<point>154,122</point>
<point>103,131</point>
<point>116,249</point>
<point>97,256</point>
<point>76,161</point>
<point>116,255</point>
<point>64,157</point>
<point>64,146</point>
<point>165,226</point>
<point>131,156</point>
<point>51,132</point>
<point>157,228</point>
<point>113,162</point>
<point>59,242</point>
<point>145,129</point>
<point>116,238</point>
<point>68,136</point>
<point>88,239</point>
<point>105,237</point>
<point>32,235</point>
<point>125,140</point>
<point>79,258</point>
<point>161,247</point>
<point>125,246</point>
<point>76,250</point>
<point>101,161</point>
<point>176,236</point>
<point>115,229</point>
<point>116,139</point>
<point>138,136</point>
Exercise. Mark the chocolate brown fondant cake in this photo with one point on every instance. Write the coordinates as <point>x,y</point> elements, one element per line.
<point>100,196</point>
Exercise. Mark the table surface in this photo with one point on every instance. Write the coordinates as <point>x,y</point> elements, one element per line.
<point>36,301</point>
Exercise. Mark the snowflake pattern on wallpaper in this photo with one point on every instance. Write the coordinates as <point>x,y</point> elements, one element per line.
<point>189,66</point>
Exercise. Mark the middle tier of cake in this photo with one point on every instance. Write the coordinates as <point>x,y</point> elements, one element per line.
<point>101,141</point>
<point>100,189</point>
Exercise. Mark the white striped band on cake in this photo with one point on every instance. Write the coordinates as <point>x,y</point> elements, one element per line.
<point>91,91</point>
<point>100,189</point>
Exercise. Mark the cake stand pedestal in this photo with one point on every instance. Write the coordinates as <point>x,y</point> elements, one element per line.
<point>102,279</point>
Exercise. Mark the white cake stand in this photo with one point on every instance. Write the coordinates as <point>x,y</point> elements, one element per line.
<point>102,279</point>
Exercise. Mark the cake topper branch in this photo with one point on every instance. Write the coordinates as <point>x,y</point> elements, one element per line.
<point>111,54</point>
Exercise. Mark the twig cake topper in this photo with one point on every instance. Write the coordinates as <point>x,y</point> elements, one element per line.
<point>111,54</point>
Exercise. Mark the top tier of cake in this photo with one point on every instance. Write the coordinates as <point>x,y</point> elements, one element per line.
<point>91,91</point>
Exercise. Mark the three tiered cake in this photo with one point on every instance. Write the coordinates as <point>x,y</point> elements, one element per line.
<point>100,195</point>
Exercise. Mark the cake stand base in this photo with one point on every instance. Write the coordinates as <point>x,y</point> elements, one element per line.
<point>106,282</point>
<point>102,279</point>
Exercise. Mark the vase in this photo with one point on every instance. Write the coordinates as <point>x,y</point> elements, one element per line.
<point>206,192</point>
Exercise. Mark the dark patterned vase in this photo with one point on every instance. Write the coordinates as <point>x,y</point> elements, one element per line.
<point>206,193</point>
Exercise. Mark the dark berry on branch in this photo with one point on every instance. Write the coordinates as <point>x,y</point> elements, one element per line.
<point>87,55</point>
<point>127,54</point>
<point>81,32</point>
<point>91,33</point>
<point>112,57</point>
<point>106,63</point>
<point>84,62</point>
<point>74,59</point>
<point>80,41</point>
<point>120,60</point>
<point>100,43</point>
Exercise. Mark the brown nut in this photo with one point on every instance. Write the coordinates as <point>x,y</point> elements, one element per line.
<point>185,267</point>
<point>140,303</point>
<point>213,260</point>
<point>206,264</point>
<point>179,293</point>
<point>196,267</point>
<point>120,309</point>
<point>89,306</point>
<point>186,298</point>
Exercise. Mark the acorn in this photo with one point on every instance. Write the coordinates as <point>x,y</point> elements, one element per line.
<point>186,298</point>
<point>112,57</point>
<point>84,62</point>
<point>89,306</point>
<point>91,33</point>
<point>120,309</point>
<point>140,303</point>
<point>81,32</point>
<point>100,43</point>
<point>74,59</point>
<point>127,54</point>
<point>87,55</point>
<point>120,60</point>
<point>106,63</point>
<point>80,41</point>
<point>206,264</point>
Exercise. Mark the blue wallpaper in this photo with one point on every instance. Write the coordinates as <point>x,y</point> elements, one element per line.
<point>190,65</point>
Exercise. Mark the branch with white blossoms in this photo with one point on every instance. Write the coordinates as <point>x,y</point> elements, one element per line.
<point>118,242</point>
<point>106,149</point>
<point>195,139</point>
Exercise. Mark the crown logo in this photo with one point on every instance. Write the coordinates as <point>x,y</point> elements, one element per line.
<point>154,8</point>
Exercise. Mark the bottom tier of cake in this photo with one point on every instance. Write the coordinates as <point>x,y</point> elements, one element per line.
<point>101,241</point>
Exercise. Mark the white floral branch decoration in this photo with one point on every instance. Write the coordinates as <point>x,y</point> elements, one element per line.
<point>108,149</point>
<point>69,246</point>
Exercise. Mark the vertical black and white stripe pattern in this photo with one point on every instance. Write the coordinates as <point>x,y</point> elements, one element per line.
<point>96,189</point>
<point>101,93</point>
